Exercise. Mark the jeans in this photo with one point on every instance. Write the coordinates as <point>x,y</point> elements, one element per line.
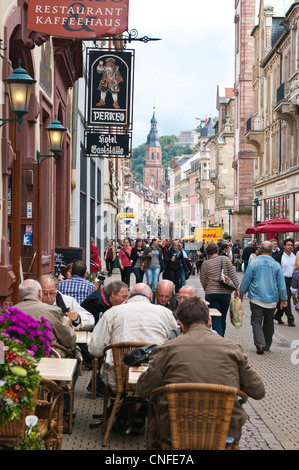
<point>288,309</point>
<point>183,277</point>
<point>138,274</point>
<point>125,274</point>
<point>262,322</point>
<point>152,278</point>
<point>109,266</point>
<point>221,303</point>
<point>174,275</point>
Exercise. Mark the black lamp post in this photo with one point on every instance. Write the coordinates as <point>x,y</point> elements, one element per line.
<point>229,221</point>
<point>256,203</point>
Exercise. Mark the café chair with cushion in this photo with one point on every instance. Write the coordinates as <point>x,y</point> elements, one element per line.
<point>49,410</point>
<point>198,414</point>
<point>123,390</point>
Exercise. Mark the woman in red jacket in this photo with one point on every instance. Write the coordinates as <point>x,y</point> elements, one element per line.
<point>125,265</point>
<point>95,262</point>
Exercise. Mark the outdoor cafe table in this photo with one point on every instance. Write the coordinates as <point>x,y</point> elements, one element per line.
<point>83,337</point>
<point>60,370</point>
<point>134,374</point>
<point>57,369</point>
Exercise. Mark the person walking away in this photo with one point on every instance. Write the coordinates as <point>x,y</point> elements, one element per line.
<point>125,265</point>
<point>246,254</point>
<point>136,258</point>
<point>217,295</point>
<point>109,256</point>
<point>153,256</point>
<point>264,282</point>
<point>95,262</point>
<point>286,258</point>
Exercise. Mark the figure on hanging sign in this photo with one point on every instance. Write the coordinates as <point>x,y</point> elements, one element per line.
<point>111,78</point>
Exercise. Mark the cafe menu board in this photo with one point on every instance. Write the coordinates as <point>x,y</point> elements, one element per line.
<point>65,256</point>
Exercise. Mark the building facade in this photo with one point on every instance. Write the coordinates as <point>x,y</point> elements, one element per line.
<point>36,198</point>
<point>244,154</point>
<point>221,147</point>
<point>273,127</point>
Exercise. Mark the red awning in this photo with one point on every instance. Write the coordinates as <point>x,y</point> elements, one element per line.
<point>278,226</point>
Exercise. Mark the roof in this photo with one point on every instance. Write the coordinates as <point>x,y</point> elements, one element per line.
<point>208,130</point>
<point>153,138</point>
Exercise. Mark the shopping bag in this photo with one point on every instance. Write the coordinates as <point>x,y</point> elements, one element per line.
<point>236,312</point>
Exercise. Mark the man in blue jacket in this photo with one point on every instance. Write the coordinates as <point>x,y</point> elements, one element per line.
<point>264,281</point>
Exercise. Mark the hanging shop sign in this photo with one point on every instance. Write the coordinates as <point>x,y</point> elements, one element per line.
<point>85,19</point>
<point>107,145</point>
<point>109,89</point>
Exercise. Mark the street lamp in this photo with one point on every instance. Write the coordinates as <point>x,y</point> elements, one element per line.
<point>230,212</point>
<point>19,85</point>
<point>256,203</point>
<point>55,133</point>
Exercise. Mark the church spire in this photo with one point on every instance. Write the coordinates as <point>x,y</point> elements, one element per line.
<point>153,138</point>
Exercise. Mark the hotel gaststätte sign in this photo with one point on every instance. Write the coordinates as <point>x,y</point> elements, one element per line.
<point>82,19</point>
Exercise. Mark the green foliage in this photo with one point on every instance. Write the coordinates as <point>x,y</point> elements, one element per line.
<point>169,151</point>
<point>30,440</point>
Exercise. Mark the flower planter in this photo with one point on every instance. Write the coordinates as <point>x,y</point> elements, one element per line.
<point>10,432</point>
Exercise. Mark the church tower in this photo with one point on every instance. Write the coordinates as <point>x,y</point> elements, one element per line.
<point>153,171</point>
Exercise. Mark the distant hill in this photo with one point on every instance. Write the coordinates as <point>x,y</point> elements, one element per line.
<point>169,150</point>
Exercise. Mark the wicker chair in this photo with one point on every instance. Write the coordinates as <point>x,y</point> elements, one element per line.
<point>49,410</point>
<point>58,351</point>
<point>199,416</point>
<point>122,387</point>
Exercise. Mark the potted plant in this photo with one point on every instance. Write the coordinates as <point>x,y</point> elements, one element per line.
<point>34,335</point>
<point>23,341</point>
<point>19,380</point>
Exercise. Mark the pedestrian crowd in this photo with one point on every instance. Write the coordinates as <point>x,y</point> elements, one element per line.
<point>161,308</point>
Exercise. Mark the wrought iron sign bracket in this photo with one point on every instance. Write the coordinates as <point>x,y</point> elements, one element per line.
<point>126,37</point>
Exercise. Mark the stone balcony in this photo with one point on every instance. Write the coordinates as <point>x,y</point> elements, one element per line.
<point>255,133</point>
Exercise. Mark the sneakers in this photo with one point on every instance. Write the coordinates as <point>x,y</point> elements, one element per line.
<point>260,350</point>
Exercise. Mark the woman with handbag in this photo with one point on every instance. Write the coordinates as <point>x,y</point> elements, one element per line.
<point>153,257</point>
<point>216,293</point>
<point>125,265</point>
<point>136,257</point>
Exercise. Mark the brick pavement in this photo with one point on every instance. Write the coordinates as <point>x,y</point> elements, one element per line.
<point>272,422</point>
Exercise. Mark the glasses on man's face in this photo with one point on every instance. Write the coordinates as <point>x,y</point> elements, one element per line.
<point>164,296</point>
<point>49,293</point>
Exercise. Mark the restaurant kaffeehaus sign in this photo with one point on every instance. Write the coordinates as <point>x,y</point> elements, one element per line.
<point>37,198</point>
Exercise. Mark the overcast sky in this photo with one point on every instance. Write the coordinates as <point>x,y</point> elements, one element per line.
<point>179,74</point>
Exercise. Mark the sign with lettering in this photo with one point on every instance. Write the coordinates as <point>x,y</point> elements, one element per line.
<point>109,89</point>
<point>106,145</point>
<point>208,234</point>
<point>78,19</point>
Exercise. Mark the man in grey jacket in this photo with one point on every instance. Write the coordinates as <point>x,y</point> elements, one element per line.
<point>31,303</point>
<point>199,356</point>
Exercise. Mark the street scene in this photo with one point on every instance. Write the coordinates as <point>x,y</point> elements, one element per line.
<point>271,423</point>
<point>149,255</point>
